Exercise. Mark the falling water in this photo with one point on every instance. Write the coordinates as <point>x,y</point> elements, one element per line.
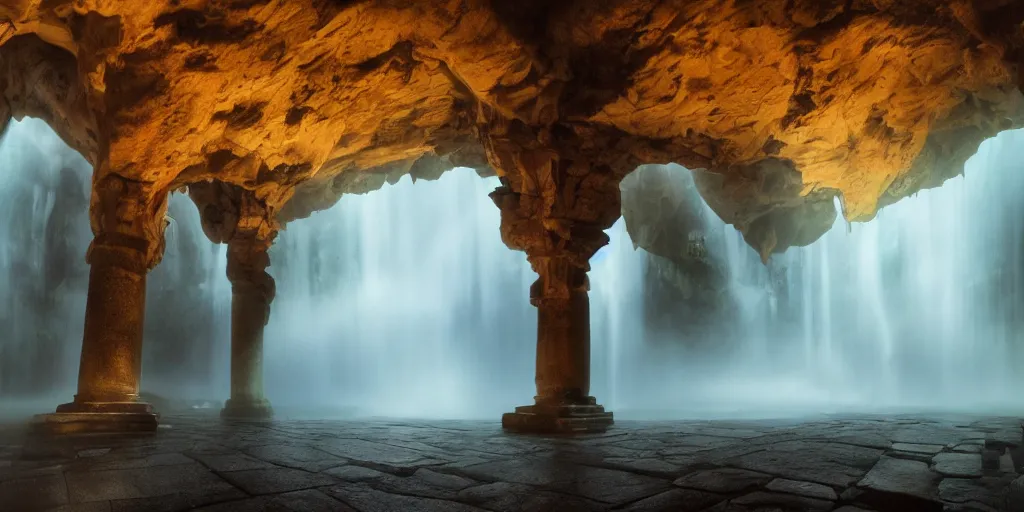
<point>186,359</point>
<point>44,234</point>
<point>405,302</point>
<point>922,300</point>
<point>44,193</point>
<point>919,308</point>
<point>616,310</point>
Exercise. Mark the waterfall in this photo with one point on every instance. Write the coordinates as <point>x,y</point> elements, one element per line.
<point>44,231</point>
<point>405,302</point>
<point>919,308</point>
<point>616,309</point>
<point>188,307</point>
<point>44,235</point>
<point>910,293</point>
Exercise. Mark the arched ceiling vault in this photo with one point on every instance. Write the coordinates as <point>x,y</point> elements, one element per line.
<point>783,104</point>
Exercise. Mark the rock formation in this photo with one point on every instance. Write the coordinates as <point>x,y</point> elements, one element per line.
<point>790,103</point>
<point>686,282</point>
<point>235,216</point>
<point>783,104</point>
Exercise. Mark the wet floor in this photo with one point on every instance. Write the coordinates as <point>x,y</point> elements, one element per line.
<point>846,463</point>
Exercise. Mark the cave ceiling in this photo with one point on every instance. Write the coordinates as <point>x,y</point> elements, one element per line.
<point>783,105</point>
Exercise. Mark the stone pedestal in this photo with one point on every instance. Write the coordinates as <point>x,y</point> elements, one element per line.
<point>111,362</point>
<point>563,403</point>
<point>559,418</point>
<point>252,292</point>
<point>247,409</point>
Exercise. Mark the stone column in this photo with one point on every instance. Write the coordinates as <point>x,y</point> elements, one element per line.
<point>559,192</point>
<point>128,220</point>
<point>238,217</point>
<point>563,403</point>
<point>563,332</point>
<point>252,291</point>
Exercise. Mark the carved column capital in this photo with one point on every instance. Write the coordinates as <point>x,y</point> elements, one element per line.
<point>558,279</point>
<point>238,217</point>
<point>544,237</point>
<point>248,244</point>
<point>128,219</point>
<point>248,260</point>
<point>556,198</point>
<point>228,212</point>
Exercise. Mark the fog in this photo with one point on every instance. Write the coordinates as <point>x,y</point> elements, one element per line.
<point>405,302</point>
<point>918,309</point>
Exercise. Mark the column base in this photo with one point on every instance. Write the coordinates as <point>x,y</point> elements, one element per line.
<point>586,418</point>
<point>98,418</point>
<point>247,410</point>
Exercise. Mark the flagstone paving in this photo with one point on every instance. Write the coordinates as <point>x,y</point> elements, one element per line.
<point>842,463</point>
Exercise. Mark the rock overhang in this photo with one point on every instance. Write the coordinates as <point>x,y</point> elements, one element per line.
<point>781,106</point>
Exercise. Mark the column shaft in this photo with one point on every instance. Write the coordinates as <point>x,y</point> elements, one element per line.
<point>248,317</point>
<point>128,220</point>
<point>252,291</point>
<point>111,364</point>
<point>563,403</point>
<point>563,350</point>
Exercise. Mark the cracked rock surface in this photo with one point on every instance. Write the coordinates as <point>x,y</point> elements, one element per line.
<point>785,103</point>
<point>841,463</point>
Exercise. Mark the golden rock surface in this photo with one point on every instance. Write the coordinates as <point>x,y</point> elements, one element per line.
<point>785,104</point>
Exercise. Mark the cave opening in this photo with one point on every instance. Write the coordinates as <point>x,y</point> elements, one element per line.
<point>915,310</point>
<point>405,302</point>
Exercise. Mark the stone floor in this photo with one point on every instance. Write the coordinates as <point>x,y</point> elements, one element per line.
<point>848,464</point>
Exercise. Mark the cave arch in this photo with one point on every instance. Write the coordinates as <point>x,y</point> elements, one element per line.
<point>294,106</point>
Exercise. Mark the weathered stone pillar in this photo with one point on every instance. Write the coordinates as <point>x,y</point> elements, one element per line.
<point>563,332</point>
<point>128,220</point>
<point>559,192</point>
<point>563,403</point>
<point>252,291</point>
<point>236,216</point>
<point>559,241</point>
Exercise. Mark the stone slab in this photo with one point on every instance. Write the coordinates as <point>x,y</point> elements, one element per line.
<point>901,484</point>
<point>36,492</point>
<point>763,500</point>
<point>990,491</point>
<point>809,489</point>
<point>723,480</point>
<point>194,481</point>
<point>929,449</point>
<point>298,457</point>
<point>598,484</point>
<point>677,500</point>
<point>95,506</point>
<point>224,462</point>
<point>901,476</point>
<point>832,464</point>
<point>355,473</point>
<point>277,480</point>
<point>459,465</point>
<point>366,499</point>
<point>961,465</point>
<point>510,497</point>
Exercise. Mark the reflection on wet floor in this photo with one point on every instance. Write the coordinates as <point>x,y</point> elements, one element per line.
<point>199,462</point>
